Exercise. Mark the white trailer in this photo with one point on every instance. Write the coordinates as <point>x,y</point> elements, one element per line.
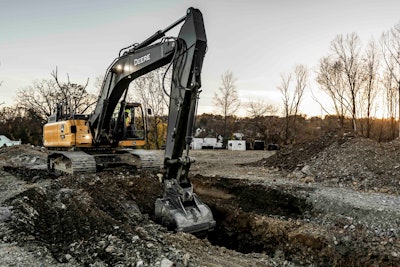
<point>197,143</point>
<point>236,145</point>
<point>206,143</point>
<point>209,142</point>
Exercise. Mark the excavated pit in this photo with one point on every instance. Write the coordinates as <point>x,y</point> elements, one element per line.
<point>250,218</point>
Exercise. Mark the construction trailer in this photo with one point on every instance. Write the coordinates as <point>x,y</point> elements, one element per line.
<point>206,143</point>
<point>236,145</point>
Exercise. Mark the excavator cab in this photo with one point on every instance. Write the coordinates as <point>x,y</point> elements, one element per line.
<point>133,125</point>
<point>130,130</point>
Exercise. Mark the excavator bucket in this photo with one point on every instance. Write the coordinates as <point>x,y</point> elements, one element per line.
<point>193,217</point>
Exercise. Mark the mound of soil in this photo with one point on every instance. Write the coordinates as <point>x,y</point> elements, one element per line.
<point>23,155</point>
<point>294,156</point>
<point>342,161</point>
<point>360,164</point>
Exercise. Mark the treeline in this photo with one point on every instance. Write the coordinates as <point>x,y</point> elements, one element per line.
<point>272,129</point>
<point>25,125</point>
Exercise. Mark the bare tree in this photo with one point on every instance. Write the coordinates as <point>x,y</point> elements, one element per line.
<point>43,97</point>
<point>262,116</point>
<point>391,96</point>
<point>301,76</point>
<point>390,43</point>
<point>370,85</point>
<point>75,95</point>
<point>149,90</point>
<point>331,82</point>
<point>341,76</point>
<point>257,108</point>
<point>226,99</point>
<point>292,97</point>
<point>391,93</point>
<point>347,51</point>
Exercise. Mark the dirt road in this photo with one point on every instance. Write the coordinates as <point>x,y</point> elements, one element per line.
<point>231,164</point>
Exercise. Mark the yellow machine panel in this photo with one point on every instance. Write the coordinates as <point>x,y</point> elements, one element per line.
<point>67,133</point>
<point>132,143</point>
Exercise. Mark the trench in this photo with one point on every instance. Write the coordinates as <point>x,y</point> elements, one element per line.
<point>250,218</point>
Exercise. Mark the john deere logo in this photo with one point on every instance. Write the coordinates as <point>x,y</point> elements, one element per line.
<point>138,61</point>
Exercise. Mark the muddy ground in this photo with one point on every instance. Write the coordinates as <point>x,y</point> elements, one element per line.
<point>334,202</point>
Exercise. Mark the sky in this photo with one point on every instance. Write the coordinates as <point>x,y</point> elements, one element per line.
<point>257,40</point>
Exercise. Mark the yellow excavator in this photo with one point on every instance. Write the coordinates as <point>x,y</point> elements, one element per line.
<point>115,133</point>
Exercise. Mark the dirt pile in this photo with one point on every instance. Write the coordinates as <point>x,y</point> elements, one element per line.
<point>358,163</point>
<point>23,155</point>
<point>342,161</point>
<point>89,219</point>
<point>293,156</point>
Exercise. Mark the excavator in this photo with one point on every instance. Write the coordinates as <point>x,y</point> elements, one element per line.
<point>82,143</point>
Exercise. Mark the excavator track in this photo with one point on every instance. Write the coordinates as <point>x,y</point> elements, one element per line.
<point>71,162</point>
<point>150,159</point>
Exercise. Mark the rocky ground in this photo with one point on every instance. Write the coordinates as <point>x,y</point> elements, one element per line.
<point>333,202</point>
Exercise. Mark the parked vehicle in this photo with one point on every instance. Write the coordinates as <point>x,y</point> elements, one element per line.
<point>5,141</point>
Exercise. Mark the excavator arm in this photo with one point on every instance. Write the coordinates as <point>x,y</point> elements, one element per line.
<point>180,208</point>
